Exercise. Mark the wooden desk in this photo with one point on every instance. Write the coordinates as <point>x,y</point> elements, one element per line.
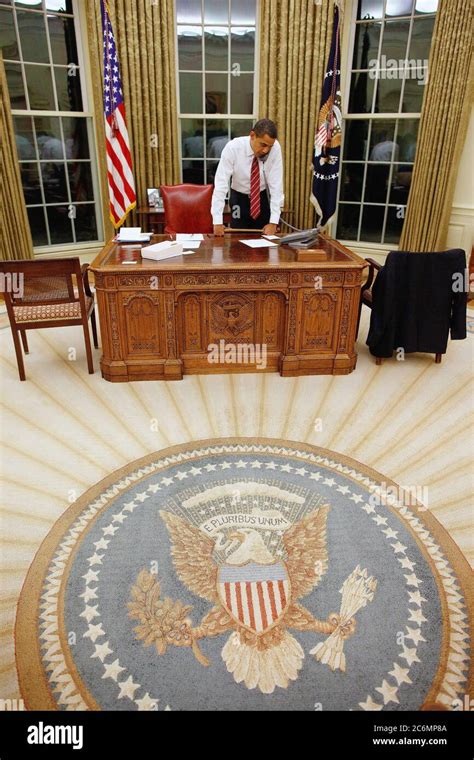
<point>152,218</point>
<point>158,319</point>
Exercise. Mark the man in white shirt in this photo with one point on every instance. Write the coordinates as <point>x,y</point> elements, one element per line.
<point>255,164</point>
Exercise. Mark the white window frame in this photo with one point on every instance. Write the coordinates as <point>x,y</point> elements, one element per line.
<point>347,52</point>
<point>59,249</point>
<point>214,117</point>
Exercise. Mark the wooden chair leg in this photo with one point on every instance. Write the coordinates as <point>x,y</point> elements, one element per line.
<point>24,341</point>
<point>87,341</point>
<point>94,329</point>
<point>19,355</point>
<point>438,359</point>
<point>378,360</point>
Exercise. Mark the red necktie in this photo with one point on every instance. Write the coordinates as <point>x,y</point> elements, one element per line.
<point>255,189</point>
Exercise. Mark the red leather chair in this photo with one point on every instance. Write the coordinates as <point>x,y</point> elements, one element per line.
<point>187,208</point>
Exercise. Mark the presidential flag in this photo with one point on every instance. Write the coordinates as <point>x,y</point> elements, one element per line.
<point>119,161</point>
<point>327,141</point>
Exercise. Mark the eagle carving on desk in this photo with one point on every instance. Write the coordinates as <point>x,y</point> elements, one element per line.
<point>254,594</point>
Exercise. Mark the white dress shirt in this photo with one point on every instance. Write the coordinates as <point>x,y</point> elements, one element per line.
<point>236,162</point>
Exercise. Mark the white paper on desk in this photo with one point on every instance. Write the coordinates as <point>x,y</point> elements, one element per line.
<point>258,243</point>
<point>130,233</point>
<point>182,237</point>
<point>271,237</point>
<point>192,243</point>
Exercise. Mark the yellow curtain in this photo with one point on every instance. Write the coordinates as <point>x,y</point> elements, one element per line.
<point>15,235</point>
<point>295,39</point>
<point>146,45</point>
<point>443,126</point>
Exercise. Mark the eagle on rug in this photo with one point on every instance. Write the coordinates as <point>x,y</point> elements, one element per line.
<point>255,595</point>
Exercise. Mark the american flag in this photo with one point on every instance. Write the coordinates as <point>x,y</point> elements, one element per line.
<point>119,161</point>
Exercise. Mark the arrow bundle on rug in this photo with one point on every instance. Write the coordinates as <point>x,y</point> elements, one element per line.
<point>356,591</point>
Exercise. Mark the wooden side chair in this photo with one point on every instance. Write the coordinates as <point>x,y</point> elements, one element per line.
<point>43,293</point>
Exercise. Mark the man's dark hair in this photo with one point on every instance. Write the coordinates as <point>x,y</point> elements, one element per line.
<point>265,127</point>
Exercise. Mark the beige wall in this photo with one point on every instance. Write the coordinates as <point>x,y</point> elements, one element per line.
<point>461,225</point>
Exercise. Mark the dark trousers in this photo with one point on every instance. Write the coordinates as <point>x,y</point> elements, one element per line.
<point>240,211</point>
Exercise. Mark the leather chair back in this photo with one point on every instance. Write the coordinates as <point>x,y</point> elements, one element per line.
<point>187,208</point>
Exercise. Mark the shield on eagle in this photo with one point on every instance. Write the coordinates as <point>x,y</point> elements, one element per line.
<point>256,596</point>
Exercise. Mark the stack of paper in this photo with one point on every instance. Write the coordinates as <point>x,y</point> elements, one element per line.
<point>190,239</point>
<point>133,235</point>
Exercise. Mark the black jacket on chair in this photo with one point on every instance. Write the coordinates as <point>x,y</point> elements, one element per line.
<point>416,300</point>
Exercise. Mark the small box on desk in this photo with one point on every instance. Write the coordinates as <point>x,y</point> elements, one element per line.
<point>311,254</point>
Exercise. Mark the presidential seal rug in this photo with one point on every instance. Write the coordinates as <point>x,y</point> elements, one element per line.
<point>245,574</point>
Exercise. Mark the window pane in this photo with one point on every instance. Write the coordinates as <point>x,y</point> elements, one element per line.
<point>30,182</point>
<point>217,136</point>
<point>362,91</point>
<point>40,88</point>
<point>387,98</point>
<point>394,43</point>
<point>188,11</point>
<point>217,48</point>
<point>421,35</point>
<point>68,88</point>
<point>242,49</point>
<point>25,141</point>
<point>370,9</point>
<point>372,223</point>
<point>48,137</point>
<point>63,40</point>
<point>15,85</point>
<point>401,182</point>
<point>80,181</point>
<point>37,226</point>
<point>243,11</point>
<point>75,137</point>
<point>426,6</point>
<point>351,182</point>
<point>32,29</point>
<point>28,3</point>
<point>64,6</point>
<point>382,146</point>
<point>407,134</point>
<point>366,45</point>
<point>85,222</point>
<point>355,139</point>
<point>54,182</point>
<point>240,127</point>
<point>192,138</point>
<point>60,227</point>
<point>8,43</point>
<point>242,94</point>
<point>190,47</point>
<point>193,172</point>
<point>216,93</point>
<point>211,168</point>
<point>394,224</point>
<point>347,221</point>
<point>398,7</point>
<point>413,94</point>
<point>216,12</point>
<point>190,91</point>
<point>376,183</point>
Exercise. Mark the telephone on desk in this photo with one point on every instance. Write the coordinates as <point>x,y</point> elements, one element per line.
<point>301,239</point>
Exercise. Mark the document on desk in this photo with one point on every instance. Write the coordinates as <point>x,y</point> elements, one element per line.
<point>194,244</point>
<point>185,237</point>
<point>258,243</point>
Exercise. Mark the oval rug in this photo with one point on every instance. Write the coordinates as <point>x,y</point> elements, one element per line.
<point>245,574</point>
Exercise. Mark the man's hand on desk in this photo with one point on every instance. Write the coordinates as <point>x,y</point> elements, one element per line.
<point>218,230</point>
<point>269,229</point>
